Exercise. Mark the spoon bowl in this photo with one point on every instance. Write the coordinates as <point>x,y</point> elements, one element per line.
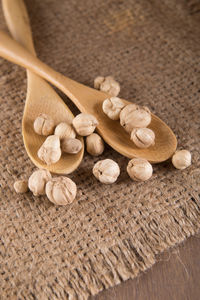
<point>165,141</point>
<point>89,100</point>
<point>115,135</point>
<point>40,98</point>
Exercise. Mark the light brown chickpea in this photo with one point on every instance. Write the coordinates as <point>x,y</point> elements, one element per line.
<point>94,144</point>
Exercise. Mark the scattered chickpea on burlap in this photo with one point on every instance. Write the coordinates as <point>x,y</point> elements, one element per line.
<point>107,84</point>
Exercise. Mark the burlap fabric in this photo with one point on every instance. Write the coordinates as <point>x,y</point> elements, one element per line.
<point>110,233</point>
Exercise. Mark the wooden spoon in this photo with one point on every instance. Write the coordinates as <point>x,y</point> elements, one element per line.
<point>41,97</point>
<point>89,100</point>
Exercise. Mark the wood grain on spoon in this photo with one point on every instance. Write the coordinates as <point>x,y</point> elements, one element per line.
<point>90,100</point>
<point>41,97</point>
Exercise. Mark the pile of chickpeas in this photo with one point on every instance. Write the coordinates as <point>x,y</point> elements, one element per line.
<point>133,118</point>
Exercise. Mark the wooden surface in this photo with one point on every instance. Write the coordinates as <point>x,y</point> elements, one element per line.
<point>175,277</point>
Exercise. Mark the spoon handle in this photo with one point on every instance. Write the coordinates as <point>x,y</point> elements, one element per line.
<point>14,52</point>
<point>17,20</point>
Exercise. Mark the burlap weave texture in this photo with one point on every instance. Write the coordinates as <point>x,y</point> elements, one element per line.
<point>110,233</point>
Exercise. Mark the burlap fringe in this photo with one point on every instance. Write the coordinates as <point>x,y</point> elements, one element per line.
<point>127,258</point>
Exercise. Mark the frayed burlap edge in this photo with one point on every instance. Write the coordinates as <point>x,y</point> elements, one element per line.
<point>125,259</point>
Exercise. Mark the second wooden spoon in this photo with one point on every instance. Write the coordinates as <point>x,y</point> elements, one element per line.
<point>41,97</point>
<point>89,100</point>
